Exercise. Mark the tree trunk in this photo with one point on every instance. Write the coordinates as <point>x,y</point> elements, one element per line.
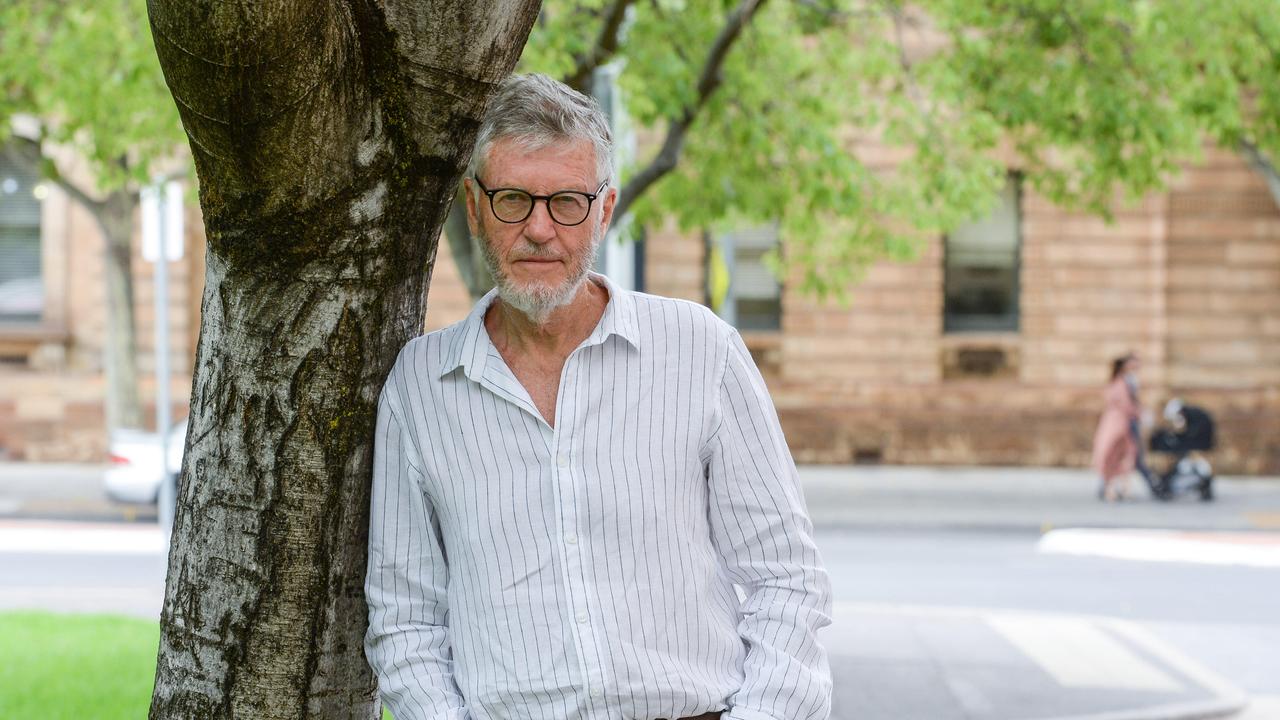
<point>115,220</point>
<point>328,138</point>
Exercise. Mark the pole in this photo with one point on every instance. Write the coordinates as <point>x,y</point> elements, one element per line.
<point>162,242</point>
<point>169,489</point>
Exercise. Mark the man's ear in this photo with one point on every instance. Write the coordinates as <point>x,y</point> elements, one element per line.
<point>468,187</point>
<point>606,213</point>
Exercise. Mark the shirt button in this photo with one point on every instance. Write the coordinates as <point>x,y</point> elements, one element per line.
<point>571,539</point>
<point>595,692</point>
<point>562,460</point>
<point>582,617</point>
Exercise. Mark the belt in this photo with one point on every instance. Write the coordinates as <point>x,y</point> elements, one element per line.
<point>704,716</point>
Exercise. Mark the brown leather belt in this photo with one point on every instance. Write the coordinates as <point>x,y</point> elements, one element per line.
<point>704,716</point>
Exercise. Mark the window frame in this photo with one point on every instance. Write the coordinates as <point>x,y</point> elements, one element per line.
<point>1011,323</point>
<point>729,248</point>
<point>21,337</point>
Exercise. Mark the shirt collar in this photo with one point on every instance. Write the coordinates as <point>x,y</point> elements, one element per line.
<point>470,346</point>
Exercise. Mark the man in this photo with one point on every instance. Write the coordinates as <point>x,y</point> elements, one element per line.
<point>572,484</point>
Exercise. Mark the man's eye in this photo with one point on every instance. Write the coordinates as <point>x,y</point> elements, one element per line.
<point>569,201</point>
<point>511,199</point>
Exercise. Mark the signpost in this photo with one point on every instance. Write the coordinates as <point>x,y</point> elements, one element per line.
<point>162,229</point>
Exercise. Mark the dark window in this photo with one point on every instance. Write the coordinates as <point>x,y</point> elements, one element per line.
<point>981,268</point>
<point>21,287</point>
<point>752,299</point>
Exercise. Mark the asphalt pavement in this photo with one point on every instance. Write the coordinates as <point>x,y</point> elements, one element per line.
<point>910,663</point>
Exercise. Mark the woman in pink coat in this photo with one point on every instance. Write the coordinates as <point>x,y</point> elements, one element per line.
<point>1114,450</point>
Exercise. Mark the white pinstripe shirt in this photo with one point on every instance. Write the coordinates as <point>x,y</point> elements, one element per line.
<point>588,571</point>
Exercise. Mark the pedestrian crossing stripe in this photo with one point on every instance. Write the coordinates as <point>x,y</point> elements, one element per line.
<point>1078,653</point>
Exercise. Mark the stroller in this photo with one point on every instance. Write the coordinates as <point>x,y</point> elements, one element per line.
<point>1186,436</point>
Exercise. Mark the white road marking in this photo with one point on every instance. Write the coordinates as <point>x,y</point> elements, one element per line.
<point>1253,549</point>
<point>87,538</point>
<point>1078,653</point>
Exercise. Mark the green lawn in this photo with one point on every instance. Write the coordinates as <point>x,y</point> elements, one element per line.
<point>56,667</point>
<point>76,667</point>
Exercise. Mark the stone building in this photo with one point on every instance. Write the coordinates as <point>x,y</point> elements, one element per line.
<point>53,312</point>
<point>990,348</point>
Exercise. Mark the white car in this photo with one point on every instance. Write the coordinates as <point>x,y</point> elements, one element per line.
<point>136,473</point>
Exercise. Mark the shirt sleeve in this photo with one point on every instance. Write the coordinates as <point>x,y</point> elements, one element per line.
<point>407,642</point>
<point>765,539</point>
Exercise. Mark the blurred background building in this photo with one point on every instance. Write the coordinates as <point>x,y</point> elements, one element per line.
<point>990,348</point>
<point>53,321</point>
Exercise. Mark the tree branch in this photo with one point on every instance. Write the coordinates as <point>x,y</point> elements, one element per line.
<point>605,47</point>
<point>908,71</point>
<point>29,152</point>
<point>708,81</point>
<point>1264,165</point>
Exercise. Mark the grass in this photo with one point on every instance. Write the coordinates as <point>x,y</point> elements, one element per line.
<point>76,667</point>
<point>71,667</point>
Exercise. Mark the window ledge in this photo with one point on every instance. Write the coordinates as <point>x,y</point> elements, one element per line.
<point>18,340</point>
<point>982,356</point>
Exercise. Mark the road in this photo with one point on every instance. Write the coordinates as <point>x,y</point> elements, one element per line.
<point>965,594</point>
<point>82,567</point>
<point>924,621</point>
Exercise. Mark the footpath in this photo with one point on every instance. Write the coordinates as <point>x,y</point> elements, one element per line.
<point>1022,499</point>
<point>839,496</point>
<point>896,662</point>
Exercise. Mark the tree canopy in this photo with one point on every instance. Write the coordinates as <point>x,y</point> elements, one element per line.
<point>85,78</point>
<point>1089,98</point>
<point>88,73</point>
<point>760,110</point>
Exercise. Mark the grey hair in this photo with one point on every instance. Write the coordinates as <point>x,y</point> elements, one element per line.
<point>537,111</point>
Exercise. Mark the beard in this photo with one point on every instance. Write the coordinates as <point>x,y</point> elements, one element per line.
<point>537,300</point>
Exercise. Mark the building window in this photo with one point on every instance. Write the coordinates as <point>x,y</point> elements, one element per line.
<point>21,286</point>
<point>741,287</point>
<point>981,268</point>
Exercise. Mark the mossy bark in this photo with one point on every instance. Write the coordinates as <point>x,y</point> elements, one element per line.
<point>328,138</point>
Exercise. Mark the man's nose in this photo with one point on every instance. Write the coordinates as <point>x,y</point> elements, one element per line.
<point>539,227</point>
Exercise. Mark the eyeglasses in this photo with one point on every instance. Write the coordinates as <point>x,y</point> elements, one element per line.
<point>567,207</point>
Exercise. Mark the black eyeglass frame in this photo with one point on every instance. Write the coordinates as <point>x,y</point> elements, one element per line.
<point>533,202</point>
